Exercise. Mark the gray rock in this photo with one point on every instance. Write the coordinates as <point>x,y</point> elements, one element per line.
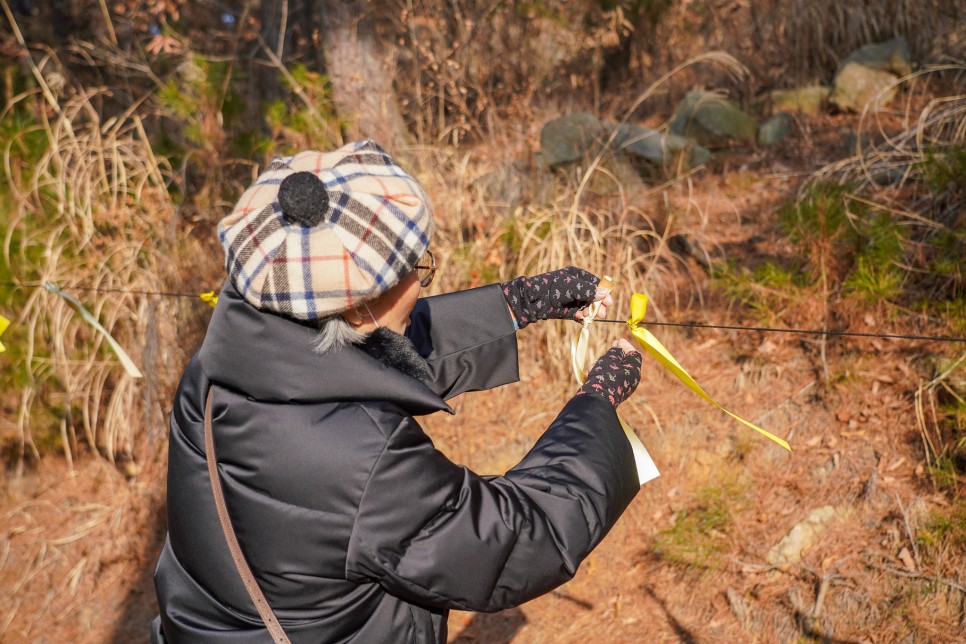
<point>801,537</point>
<point>664,149</point>
<point>889,56</point>
<point>615,174</point>
<point>954,377</point>
<point>712,120</point>
<point>698,156</point>
<point>869,70</point>
<point>856,85</point>
<point>567,138</point>
<point>775,129</point>
<point>503,187</point>
<point>889,175</point>
<point>642,142</point>
<point>807,100</point>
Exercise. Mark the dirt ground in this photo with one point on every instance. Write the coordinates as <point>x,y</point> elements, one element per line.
<point>690,560</point>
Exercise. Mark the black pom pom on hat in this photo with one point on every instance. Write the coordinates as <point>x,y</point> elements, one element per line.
<point>303,199</point>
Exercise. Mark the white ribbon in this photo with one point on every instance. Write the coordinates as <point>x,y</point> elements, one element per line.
<point>579,349</point>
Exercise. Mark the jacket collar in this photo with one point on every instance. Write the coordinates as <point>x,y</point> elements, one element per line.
<point>271,359</point>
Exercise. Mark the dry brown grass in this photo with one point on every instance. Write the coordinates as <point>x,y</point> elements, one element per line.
<point>893,143</point>
<point>76,541</point>
<point>92,215</point>
<point>820,34</point>
<point>802,42</point>
<point>942,447</point>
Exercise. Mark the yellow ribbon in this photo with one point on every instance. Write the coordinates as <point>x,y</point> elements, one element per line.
<point>646,469</point>
<point>210,298</point>
<point>4,323</point>
<point>657,350</point>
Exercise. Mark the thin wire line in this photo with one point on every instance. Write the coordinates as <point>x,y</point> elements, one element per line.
<point>96,289</point>
<point>694,325</point>
<point>893,336</point>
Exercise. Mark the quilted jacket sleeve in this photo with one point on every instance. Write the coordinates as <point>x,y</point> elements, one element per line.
<point>467,338</point>
<point>435,533</point>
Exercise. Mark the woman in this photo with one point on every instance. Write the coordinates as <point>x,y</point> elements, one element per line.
<point>319,355</point>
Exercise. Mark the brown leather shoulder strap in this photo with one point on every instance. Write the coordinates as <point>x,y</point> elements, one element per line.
<point>261,604</point>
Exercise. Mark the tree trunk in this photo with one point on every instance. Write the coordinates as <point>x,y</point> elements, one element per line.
<point>360,59</point>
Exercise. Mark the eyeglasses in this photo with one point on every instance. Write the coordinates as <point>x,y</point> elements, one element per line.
<point>426,273</point>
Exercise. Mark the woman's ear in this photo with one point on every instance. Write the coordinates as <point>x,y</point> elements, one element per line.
<point>363,317</point>
<point>353,317</point>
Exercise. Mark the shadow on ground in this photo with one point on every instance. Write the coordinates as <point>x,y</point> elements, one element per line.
<point>140,605</point>
<point>492,628</point>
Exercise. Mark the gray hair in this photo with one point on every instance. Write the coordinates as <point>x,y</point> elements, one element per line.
<point>334,333</point>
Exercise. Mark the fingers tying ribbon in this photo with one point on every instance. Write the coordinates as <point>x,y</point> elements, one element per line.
<point>661,354</point>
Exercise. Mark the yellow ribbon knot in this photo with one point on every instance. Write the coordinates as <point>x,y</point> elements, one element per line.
<point>210,298</point>
<point>4,323</point>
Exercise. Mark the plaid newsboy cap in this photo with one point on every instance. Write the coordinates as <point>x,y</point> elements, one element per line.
<point>374,227</point>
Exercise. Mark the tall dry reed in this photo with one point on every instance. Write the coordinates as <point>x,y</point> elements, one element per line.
<point>91,213</point>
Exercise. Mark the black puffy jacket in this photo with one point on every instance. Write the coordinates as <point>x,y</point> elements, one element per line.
<point>355,526</point>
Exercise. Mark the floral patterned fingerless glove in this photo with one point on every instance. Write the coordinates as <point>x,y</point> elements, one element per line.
<point>614,376</point>
<point>558,294</point>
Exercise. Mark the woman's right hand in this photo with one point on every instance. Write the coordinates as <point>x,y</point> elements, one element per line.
<point>615,375</point>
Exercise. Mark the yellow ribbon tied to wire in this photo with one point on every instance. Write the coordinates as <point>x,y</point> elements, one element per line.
<point>654,347</point>
<point>4,323</point>
<point>579,349</point>
<point>210,298</point>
